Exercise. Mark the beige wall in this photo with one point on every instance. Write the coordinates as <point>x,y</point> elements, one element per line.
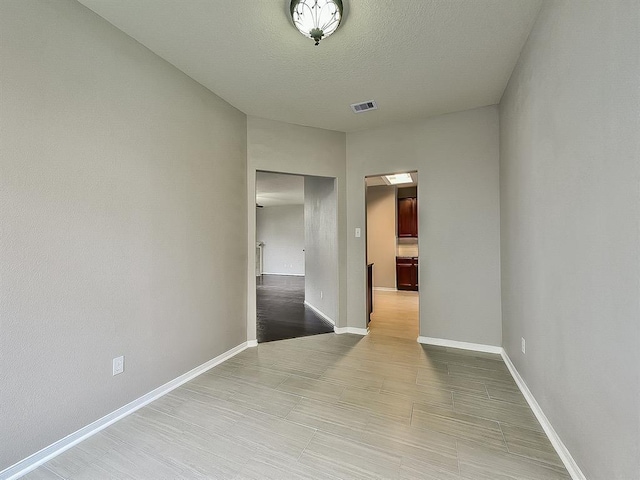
<point>282,147</point>
<point>570,210</point>
<point>122,183</point>
<point>456,157</point>
<point>381,234</point>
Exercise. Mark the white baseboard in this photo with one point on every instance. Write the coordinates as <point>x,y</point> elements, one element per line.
<point>385,289</point>
<point>354,330</point>
<point>443,342</point>
<point>569,463</point>
<point>284,274</point>
<point>252,343</point>
<point>561,449</point>
<point>319,312</point>
<point>33,461</point>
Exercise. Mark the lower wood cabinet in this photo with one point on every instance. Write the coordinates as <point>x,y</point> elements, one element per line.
<point>407,273</point>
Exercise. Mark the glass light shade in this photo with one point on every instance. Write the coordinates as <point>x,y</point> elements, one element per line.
<point>316,19</point>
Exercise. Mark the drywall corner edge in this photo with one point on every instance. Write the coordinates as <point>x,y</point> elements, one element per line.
<point>564,454</point>
<point>561,449</point>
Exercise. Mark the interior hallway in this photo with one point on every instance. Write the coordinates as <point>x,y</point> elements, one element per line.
<point>325,407</point>
<point>395,314</point>
<point>281,311</point>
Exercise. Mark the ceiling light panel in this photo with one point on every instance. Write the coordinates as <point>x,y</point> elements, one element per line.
<point>399,178</point>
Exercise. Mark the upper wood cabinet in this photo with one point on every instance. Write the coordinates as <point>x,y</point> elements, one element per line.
<point>408,217</point>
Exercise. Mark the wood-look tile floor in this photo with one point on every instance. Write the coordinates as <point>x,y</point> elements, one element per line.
<point>328,406</point>
<point>395,314</point>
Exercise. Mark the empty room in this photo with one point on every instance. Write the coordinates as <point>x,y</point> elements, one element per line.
<point>479,320</point>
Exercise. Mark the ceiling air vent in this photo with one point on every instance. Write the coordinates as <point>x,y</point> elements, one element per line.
<point>364,106</point>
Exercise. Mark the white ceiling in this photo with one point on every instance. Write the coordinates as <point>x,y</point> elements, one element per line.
<point>416,58</point>
<point>274,189</point>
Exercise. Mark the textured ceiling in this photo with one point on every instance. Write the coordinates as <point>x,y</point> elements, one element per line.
<point>416,58</point>
<point>273,189</point>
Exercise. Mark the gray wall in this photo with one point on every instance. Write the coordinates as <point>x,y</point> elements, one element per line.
<point>282,147</point>
<point>321,244</point>
<point>570,136</point>
<point>281,229</point>
<point>456,157</point>
<point>121,185</point>
<point>381,234</point>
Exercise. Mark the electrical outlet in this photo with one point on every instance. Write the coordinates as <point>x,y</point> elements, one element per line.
<point>118,365</point>
<point>524,346</point>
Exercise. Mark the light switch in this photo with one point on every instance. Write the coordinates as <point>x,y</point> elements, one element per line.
<point>357,232</point>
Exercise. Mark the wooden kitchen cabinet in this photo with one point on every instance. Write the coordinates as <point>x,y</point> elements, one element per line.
<point>407,217</point>
<point>407,273</point>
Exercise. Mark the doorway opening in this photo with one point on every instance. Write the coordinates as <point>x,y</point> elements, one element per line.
<point>391,202</point>
<point>296,255</point>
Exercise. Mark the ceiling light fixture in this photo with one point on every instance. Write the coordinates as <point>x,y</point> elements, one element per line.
<point>398,178</point>
<point>316,19</point>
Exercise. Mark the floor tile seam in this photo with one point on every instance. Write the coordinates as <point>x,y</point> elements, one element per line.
<point>260,387</point>
<point>164,459</point>
<point>469,361</point>
<point>490,419</point>
<point>185,400</point>
<point>235,422</point>
<point>536,461</point>
<point>345,382</point>
<point>284,380</point>
<point>462,438</point>
<point>559,466</point>
<point>458,457</point>
<point>180,465</point>
<point>188,422</point>
<point>522,403</point>
<point>355,406</point>
<point>360,472</point>
<point>497,402</point>
<point>304,377</point>
<point>206,394</point>
<point>414,398</point>
<point>46,467</point>
<point>305,396</point>
<point>416,445</point>
<point>507,381</point>
<point>169,462</point>
<point>466,423</point>
<point>320,429</point>
<point>537,431</point>
<point>315,431</point>
<point>360,443</point>
<point>398,365</point>
<point>447,406</point>
<point>504,439</point>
